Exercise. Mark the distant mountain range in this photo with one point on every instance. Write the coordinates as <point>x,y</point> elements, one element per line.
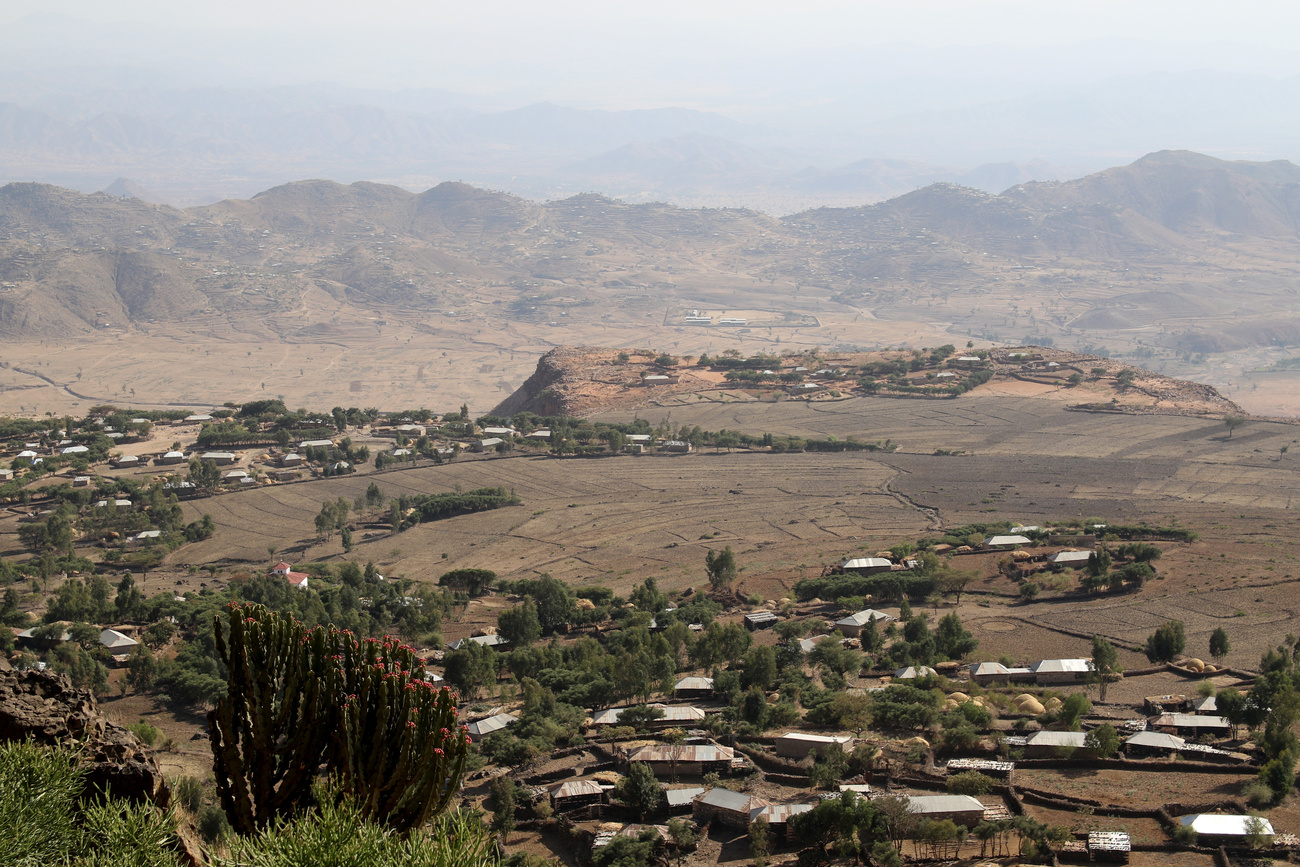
<point>1177,250</point>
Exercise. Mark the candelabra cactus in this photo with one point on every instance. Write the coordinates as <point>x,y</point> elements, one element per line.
<point>301,701</point>
<point>402,751</point>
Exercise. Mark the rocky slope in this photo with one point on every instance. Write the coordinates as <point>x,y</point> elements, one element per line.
<point>48,709</point>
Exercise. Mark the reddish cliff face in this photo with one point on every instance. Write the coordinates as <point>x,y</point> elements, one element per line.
<point>569,380</point>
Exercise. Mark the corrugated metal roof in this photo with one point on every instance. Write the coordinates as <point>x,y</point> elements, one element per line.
<point>678,797</point>
<point>725,799</point>
<point>806,738</point>
<point>929,804</point>
<point>1217,825</point>
<point>913,671</point>
<point>1059,666</point>
<point>999,541</point>
<point>778,813</point>
<point>1156,740</point>
<point>861,617</point>
<point>684,753</point>
<point>1056,739</point>
<point>1191,720</point>
<point>491,724</point>
<point>671,714</point>
<point>866,563</point>
<point>694,683</point>
<point>577,789</point>
<point>1070,557</point>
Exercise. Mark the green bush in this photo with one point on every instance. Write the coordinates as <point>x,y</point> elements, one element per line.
<point>145,732</point>
<point>45,819</point>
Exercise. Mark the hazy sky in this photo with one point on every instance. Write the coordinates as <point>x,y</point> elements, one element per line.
<point>757,22</point>
<point>704,53</point>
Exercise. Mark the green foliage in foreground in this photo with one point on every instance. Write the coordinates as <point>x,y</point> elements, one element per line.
<point>337,835</point>
<point>46,820</point>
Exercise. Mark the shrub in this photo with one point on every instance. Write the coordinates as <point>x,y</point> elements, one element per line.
<point>145,732</point>
<point>970,783</point>
<point>188,792</point>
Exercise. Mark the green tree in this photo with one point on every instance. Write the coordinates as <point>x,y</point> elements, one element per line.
<point>520,625</point>
<point>1232,422</point>
<point>502,799</point>
<point>952,639</point>
<point>1072,709</point>
<point>760,842</point>
<point>639,789</point>
<point>1167,642</point>
<point>555,600</point>
<point>1219,645</point>
<point>1104,668</point>
<point>721,568</point>
<point>1103,740</point>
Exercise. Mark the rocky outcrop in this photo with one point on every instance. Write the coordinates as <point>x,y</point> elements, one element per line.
<point>48,709</point>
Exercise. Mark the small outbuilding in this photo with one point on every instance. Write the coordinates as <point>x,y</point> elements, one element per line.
<point>480,729</point>
<point>575,794</point>
<point>1057,671</point>
<point>729,808</point>
<point>798,745</point>
<point>1049,745</point>
<point>757,620</point>
<point>1216,829</point>
<point>987,673</point>
<point>694,687</point>
<point>959,809</point>
<point>852,626</point>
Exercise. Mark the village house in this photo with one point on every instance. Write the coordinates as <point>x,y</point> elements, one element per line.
<point>116,642</point>
<point>676,447</point>
<point>1144,744</point>
<point>125,462</point>
<point>851,626</point>
<point>1192,725</point>
<point>295,579</point>
<point>486,444</point>
<point>867,565</point>
<point>958,809</point>
<point>1216,829</point>
<point>480,729</point>
<point>685,759</point>
<point>778,817</point>
<point>798,745</point>
<point>912,672</point>
<point>1050,745</point>
<point>986,673</point>
<point>673,716</point>
<point>694,687</point>
<point>1069,559</point>
<point>492,640</point>
<point>682,800</point>
<point>1060,671</point>
<point>221,459</point>
<point>729,808</point>
<point>1007,541</point>
<point>6,475</point>
<point>756,620</point>
<point>575,794</point>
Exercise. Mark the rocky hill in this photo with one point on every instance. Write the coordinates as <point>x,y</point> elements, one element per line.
<point>582,380</point>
